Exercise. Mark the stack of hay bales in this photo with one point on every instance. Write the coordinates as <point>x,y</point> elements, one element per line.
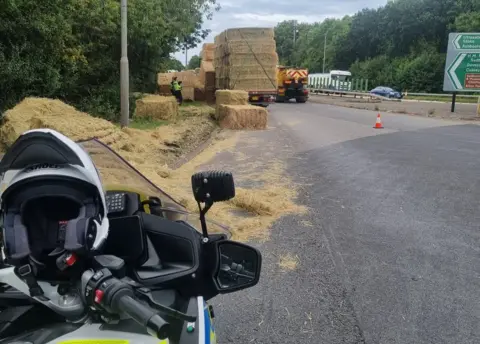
<point>189,81</point>
<point>157,108</point>
<point>207,72</point>
<point>234,112</point>
<point>163,83</point>
<point>246,59</point>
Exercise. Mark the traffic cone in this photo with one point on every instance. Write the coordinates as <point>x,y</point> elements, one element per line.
<point>378,124</point>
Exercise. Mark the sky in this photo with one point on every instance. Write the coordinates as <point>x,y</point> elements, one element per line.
<point>267,13</point>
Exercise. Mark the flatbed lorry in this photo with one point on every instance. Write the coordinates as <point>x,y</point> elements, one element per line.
<point>262,97</point>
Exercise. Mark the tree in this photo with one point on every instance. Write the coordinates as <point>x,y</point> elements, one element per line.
<point>171,64</point>
<point>401,44</point>
<point>468,22</point>
<point>70,49</point>
<point>194,62</point>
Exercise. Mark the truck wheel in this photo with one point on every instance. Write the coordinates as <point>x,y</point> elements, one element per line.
<point>301,99</point>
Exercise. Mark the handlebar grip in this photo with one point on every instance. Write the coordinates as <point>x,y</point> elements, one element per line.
<point>145,316</point>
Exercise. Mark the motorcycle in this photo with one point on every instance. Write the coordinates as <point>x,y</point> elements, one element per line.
<point>153,279</point>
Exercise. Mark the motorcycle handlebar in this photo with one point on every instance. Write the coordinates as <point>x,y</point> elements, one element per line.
<point>143,315</point>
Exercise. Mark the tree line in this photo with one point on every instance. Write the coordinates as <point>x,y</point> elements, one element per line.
<point>402,44</point>
<point>70,49</point>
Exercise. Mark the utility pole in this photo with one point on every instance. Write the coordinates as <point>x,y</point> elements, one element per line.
<point>294,33</point>
<point>294,40</point>
<point>324,51</point>
<point>186,56</point>
<point>124,79</point>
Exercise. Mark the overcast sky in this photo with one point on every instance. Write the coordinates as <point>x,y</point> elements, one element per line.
<point>267,13</point>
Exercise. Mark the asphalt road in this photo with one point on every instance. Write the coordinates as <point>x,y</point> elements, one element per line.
<point>393,254</point>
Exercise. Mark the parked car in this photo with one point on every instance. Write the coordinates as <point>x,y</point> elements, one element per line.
<point>386,92</point>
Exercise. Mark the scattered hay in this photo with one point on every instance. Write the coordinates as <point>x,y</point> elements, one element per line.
<point>230,97</point>
<point>150,150</point>
<point>201,110</point>
<point>242,117</point>
<point>34,113</point>
<point>157,107</point>
<point>247,200</point>
<point>137,146</point>
<point>306,223</point>
<point>288,262</point>
<point>274,198</point>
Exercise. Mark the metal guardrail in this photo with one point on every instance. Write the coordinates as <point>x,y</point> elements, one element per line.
<point>367,94</point>
<point>351,93</point>
<point>439,95</point>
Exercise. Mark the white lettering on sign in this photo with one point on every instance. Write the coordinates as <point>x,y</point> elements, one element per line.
<point>41,167</point>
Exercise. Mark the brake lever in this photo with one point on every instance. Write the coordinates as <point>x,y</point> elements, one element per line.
<point>146,294</point>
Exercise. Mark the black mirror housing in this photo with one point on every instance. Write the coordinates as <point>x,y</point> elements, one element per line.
<point>238,266</point>
<point>213,186</point>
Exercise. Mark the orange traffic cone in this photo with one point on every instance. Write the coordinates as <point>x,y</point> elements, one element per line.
<point>378,124</point>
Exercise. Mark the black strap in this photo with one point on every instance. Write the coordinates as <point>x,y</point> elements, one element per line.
<point>25,272</point>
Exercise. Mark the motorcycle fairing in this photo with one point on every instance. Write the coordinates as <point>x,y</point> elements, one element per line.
<point>204,333</point>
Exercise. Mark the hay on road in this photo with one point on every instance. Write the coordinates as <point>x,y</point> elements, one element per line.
<point>150,150</point>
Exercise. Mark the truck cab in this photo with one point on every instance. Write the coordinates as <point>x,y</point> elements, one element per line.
<point>292,83</point>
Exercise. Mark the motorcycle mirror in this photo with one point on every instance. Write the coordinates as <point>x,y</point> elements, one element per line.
<point>213,186</point>
<point>239,266</point>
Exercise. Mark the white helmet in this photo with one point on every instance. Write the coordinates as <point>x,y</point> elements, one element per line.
<point>52,201</point>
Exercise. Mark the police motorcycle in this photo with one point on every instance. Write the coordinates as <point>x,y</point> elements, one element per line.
<point>128,267</point>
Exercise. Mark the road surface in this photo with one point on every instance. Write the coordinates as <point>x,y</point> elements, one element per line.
<point>392,250</point>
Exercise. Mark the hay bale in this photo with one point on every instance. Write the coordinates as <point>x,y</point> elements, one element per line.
<point>246,59</point>
<point>157,107</point>
<point>164,78</point>
<point>188,93</point>
<point>242,117</point>
<point>208,52</point>
<point>231,97</point>
<point>246,47</point>
<point>188,78</point>
<point>206,76</point>
<point>249,33</point>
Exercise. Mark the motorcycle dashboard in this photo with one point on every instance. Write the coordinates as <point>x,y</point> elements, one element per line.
<point>121,203</point>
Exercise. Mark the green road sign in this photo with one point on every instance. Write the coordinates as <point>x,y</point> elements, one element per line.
<point>464,72</point>
<point>467,41</point>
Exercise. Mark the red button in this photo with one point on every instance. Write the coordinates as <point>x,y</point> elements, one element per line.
<point>70,260</point>
<point>99,295</point>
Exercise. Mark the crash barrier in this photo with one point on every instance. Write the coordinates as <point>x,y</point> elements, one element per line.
<point>353,85</point>
<point>446,95</point>
<point>316,91</point>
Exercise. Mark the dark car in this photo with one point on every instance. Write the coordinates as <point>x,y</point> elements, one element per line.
<point>386,92</point>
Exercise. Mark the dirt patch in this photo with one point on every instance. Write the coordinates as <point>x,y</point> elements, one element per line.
<point>427,109</point>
